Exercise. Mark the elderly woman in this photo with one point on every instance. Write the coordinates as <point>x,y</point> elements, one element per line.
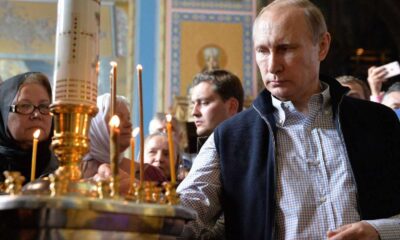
<point>99,135</point>
<point>24,102</point>
<point>97,162</point>
<point>156,152</point>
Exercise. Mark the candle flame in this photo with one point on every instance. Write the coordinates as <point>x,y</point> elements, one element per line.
<point>139,67</point>
<point>168,117</point>
<point>135,132</point>
<point>36,133</point>
<point>114,122</point>
<point>113,64</point>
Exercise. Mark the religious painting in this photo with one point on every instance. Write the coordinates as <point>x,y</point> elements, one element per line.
<point>199,39</point>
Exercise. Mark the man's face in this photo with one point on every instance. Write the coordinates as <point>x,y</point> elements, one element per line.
<point>286,55</point>
<point>392,100</point>
<point>209,109</point>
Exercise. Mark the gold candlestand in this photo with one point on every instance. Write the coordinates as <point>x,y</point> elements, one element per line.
<point>63,206</point>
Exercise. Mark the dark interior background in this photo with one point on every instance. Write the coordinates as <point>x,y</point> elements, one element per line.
<point>373,26</point>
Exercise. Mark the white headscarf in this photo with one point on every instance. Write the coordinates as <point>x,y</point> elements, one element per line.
<point>99,134</point>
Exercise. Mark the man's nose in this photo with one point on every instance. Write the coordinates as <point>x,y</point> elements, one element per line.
<point>195,110</point>
<point>274,65</point>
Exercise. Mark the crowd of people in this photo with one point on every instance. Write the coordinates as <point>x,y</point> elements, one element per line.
<point>313,158</point>
<point>373,90</point>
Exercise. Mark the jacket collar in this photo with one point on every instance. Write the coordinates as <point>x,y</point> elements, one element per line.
<point>263,102</point>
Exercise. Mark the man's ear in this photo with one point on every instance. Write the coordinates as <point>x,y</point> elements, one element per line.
<point>233,106</point>
<point>324,45</point>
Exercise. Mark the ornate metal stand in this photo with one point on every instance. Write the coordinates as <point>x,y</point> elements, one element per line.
<point>41,217</point>
<point>64,206</point>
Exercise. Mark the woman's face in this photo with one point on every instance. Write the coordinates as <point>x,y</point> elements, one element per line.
<point>22,127</point>
<point>156,153</point>
<point>125,125</point>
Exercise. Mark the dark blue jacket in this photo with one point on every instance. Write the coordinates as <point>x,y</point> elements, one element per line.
<point>246,146</point>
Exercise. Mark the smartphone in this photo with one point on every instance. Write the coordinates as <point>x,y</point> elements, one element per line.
<point>392,68</point>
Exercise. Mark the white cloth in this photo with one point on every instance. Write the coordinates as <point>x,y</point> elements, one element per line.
<point>99,134</point>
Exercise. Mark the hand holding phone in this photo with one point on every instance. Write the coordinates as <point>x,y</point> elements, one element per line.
<point>393,69</point>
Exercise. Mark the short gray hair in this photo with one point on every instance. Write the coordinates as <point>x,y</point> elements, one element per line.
<point>313,14</point>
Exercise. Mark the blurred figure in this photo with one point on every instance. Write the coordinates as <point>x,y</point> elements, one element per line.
<point>212,58</point>
<point>156,152</point>
<point>96,163</point>
<point>25,101</point>
<point>358,88</point>
<point>99,135</point>
<point>158,124</point>
<point>392,96</point>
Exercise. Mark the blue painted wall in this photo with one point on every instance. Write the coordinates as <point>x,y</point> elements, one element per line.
<point>146,55</point>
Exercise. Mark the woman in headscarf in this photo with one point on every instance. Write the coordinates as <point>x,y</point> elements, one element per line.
<point>99,135</point>
<point>24,103</point>
<point>97,162</point>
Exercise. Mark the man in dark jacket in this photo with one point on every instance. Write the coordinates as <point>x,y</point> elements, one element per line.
<point>305,161</point>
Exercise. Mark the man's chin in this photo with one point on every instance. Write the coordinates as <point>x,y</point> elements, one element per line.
<point>202,132</point>
<point>281,94</point>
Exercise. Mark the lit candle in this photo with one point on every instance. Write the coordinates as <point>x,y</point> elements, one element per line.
<point>171,149</point>
<point>139,76</point>
<point>114,151</point>
<point>113,86</point>
<point>133,170</point>
<point>34,152</point>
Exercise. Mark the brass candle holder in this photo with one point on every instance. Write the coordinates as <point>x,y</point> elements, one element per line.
<point>70,142</point>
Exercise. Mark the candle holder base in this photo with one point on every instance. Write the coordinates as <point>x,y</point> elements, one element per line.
<point>65,217</point>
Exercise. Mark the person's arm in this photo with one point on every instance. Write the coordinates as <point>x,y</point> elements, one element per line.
<point>376,76</point>
<point>380,229</point>
<point>201,189</point>
<point>388,228</point>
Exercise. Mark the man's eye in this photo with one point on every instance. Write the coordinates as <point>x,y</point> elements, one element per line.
<point>262,50</point>
<point>283,48</point>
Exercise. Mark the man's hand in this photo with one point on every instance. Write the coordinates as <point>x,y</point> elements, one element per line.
<point>360,231</point>
<point>376,76</point>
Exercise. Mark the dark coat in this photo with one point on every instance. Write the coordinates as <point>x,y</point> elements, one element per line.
<point>246,146</point>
